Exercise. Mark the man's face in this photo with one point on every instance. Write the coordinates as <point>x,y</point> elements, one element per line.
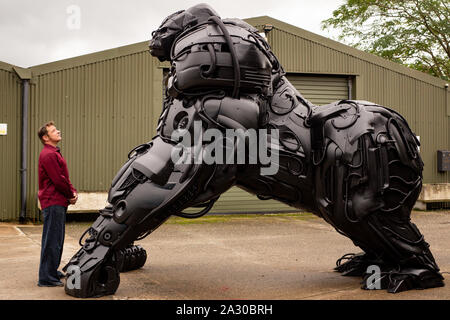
<point>53,136</point>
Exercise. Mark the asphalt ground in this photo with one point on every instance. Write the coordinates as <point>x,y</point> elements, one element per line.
<point>230,257</point>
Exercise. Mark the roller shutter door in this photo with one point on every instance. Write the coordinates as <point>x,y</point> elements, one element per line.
<point>320,89</point>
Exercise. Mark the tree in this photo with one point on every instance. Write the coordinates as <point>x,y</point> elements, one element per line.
<point>412,32</point>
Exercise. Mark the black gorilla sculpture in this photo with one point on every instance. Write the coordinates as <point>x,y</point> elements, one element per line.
<point>353,163</point>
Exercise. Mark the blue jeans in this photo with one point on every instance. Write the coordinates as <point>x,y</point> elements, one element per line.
<point>52,243</point>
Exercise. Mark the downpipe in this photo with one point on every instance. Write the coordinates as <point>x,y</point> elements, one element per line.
<point>24,145</point>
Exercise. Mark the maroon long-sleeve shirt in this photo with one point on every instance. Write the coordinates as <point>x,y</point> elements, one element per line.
<point>55,187</point>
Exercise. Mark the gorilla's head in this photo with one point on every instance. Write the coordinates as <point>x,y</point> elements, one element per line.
<point>163,38</point>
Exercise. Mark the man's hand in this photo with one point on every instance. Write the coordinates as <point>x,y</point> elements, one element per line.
<point>74,199</point>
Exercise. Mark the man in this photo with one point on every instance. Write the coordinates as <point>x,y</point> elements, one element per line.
<point>55,194</point>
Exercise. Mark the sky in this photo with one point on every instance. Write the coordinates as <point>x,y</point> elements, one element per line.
<point>34,32</point>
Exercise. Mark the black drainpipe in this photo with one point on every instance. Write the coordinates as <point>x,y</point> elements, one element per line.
<point>23,169</point>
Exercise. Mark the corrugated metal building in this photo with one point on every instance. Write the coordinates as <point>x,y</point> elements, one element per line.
<point>107,102</point>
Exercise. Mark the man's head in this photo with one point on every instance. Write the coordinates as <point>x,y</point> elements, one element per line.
<point>48,134</point>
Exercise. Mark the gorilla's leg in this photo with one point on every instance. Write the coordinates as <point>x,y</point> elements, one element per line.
<point>368,196</point>
<point>146,191</point>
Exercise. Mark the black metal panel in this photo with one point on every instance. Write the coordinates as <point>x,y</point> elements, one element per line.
<point>443,160</point>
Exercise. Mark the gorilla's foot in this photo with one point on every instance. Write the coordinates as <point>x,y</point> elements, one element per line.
<point>92,274</point>
<point>94,270</point>
<point>398,280</point>
<point>390,278</point>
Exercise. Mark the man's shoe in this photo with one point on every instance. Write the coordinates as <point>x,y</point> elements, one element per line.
<point>51,284</point>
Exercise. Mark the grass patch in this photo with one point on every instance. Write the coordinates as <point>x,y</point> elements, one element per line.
<point>217,218</point>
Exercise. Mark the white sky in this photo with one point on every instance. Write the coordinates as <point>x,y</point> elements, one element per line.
<point>33,32</point>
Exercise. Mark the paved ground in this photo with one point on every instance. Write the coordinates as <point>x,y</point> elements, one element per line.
<point>276,257</point>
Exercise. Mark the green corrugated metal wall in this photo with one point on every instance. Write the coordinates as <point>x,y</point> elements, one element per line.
<point>10,113</point>
<point>103,109</point>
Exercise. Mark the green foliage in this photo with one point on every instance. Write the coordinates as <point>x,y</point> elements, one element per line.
<point>412,32</point>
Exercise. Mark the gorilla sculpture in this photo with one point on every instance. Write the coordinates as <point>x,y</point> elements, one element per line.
<point>353,163</point>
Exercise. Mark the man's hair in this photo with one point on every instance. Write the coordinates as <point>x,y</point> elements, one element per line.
<point>43,130</point>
